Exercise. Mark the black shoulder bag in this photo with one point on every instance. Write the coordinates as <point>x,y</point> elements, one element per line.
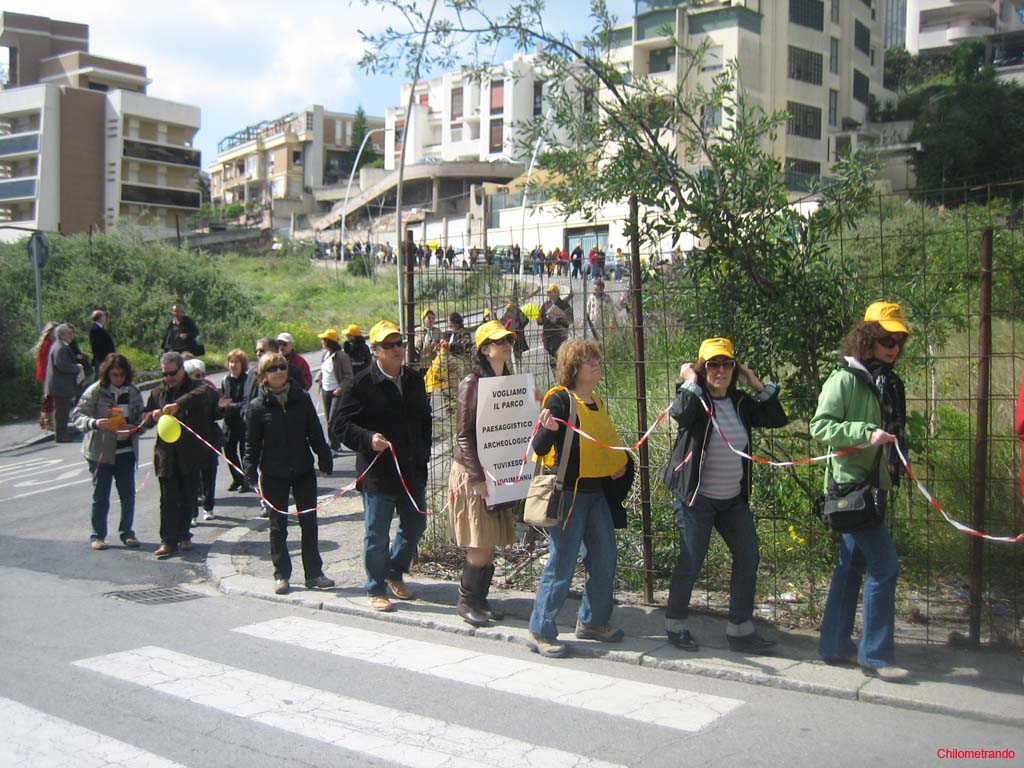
<point>850,507</point>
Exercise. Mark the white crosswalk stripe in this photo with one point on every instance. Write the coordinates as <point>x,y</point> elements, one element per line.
<point>33,739</point>
<point>643,702</point>
<point>385,733</point>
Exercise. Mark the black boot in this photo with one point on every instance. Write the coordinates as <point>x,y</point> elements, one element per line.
<point>485,588</point>
<point>470,596</point>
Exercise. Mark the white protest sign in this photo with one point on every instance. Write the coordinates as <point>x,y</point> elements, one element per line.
<point>506,410</point>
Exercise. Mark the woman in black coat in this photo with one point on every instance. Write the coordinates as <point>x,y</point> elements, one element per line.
<point>283,432</point>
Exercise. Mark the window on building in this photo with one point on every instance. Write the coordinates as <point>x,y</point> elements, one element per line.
<point>805,65</point>
<point>588,101</point>
<point>804,120</point>
<point>538,98</point>
<point>714,59</point>
<point>835,11</point>
<point>456,103</point>
<point>399,132</point>
<point>497,140</point>
<point>833,107</point>
<point>803,167</point>
<point>102,87</point>
<point>872,56</point>
<point>833,55</point>
<point>425,99</point>
<point>711,118</point>
<point>497,97</point>
<point>456,133</point>
<point>807,13</point>
<point>296,157</point>
<point>661,60</point>
<point>860,86</point>
<point>861,38</point>
<point>843,147</point>
<point>309,121</point>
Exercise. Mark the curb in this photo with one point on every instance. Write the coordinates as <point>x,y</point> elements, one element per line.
<point>38,440</point>
<point>229,581</point>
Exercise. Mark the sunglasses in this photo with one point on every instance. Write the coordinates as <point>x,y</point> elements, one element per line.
<point>168,374</point>
<point>502,341</point>
<point>275,368</point>
<point>892,341</point>
<point>392,344</point>
<point>720,365</point>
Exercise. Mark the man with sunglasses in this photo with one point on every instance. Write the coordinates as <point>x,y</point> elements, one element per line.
<point>385,409</point>
<point>710,485</point>
<point>177,465</point>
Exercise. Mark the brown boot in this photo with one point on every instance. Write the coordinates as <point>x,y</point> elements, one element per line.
<point>470,596</point>
<point>485,588</point>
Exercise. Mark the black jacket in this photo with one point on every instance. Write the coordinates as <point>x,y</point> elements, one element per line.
<point>100,343</point>
<point>278,439</point>
<point>174,343</point>
<point>186,454</point>
<point>695,430</point>
<point>235,389</point>
<point>373,404</point>
<point>359,353</point>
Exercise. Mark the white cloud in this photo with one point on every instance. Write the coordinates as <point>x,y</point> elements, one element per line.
<point>243,62</point>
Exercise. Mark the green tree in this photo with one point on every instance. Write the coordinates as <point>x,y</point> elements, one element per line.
<point>359,131</point>
<point>971,134</point>
<point>696,156</point>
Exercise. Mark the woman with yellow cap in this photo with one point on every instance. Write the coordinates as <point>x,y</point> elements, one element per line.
<point>862,401</point>
<point>597,480</point>
<point>710,485</point>
<point>471,522</point>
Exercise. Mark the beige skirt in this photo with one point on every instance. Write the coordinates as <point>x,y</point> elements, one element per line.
<point>469,521</point>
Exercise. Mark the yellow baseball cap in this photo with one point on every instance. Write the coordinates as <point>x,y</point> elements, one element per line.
<point>553,288</point>
<point>425,312</point>
<point>492,330</point>
<point>353,330</point>
<point>331,334</point>
<point>382,330</point>
<point>715,347</point>
<point>888,315</point>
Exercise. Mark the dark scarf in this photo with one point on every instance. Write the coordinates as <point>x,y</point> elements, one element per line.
<point>892,395</point>
<point>281,395</point>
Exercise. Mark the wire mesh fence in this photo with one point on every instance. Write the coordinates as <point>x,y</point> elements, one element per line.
<point>923,253</point>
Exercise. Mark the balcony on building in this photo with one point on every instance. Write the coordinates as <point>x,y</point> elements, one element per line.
<point>153,152</point>
<point>164,197</point>
<point>18,189</point>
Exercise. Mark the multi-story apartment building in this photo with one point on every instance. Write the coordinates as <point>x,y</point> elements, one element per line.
<point>81,143</point>
<point>457,118</point>
<point>818,60</point>
<point>279,163</point>
<point>936,25</point>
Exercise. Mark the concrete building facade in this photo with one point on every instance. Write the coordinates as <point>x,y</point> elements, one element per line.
<point>81,143</point>
<point>937,25</point>
<point>280,163</point>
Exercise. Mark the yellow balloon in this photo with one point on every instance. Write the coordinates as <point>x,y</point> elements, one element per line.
<point>531,310</point>
<point>168,428</point>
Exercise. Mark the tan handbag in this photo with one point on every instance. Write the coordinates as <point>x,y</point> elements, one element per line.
<point>545,500</point>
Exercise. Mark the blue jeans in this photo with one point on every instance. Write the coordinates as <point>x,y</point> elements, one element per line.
<point>871,553</point>
<point>121,473</point>
<point>734,521</point>
<point>379,562</point>
<point>589,528</point>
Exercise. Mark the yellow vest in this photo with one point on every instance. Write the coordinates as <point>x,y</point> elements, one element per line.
<point>595,460</point>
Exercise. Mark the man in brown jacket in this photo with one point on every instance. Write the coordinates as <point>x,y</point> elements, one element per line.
<point>177,465</point>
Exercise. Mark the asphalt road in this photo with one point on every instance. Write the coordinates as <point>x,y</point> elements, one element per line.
<point>93,679</point>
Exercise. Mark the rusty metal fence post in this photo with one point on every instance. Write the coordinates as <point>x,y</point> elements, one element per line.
<point>644,470</point>
<point>977,583</point>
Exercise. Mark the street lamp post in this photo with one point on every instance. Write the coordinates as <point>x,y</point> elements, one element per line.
<point>351,175</point>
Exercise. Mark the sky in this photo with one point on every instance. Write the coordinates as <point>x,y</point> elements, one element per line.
<point>244,62</point>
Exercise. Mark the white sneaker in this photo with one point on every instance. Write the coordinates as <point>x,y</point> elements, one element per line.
<point>208,515</point>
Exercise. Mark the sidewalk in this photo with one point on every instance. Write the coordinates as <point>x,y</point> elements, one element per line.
<point>975,684</point>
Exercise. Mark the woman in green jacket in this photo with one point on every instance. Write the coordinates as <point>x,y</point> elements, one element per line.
<point>855,407</point>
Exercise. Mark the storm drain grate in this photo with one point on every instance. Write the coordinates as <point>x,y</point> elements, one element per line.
<point>155,595</point>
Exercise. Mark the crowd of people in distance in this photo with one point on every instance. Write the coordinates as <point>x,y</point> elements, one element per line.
<point>265,421</point>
